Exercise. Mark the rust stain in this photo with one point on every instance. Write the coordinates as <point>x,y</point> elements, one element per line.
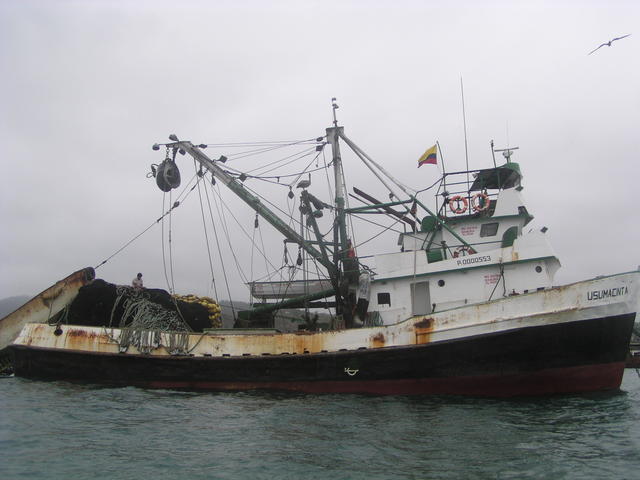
<point>300,342</point>
<point>424,323</point>
<point>423,330</point>
<point>49,295</point>
<point>80,339</point>
<point>73,281</point>
<point>39,328</point>
<point>378,340</point>
<point>82,334</point>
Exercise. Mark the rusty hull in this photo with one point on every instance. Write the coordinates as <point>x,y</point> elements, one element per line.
<point>562,340</point>
<point>44,305</point>
<point>535,309</point>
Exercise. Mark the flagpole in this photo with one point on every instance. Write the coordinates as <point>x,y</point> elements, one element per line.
<point>444,176</point>
<point>441,156</point>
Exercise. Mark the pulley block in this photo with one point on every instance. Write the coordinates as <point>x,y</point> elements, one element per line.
<point>168,175</point>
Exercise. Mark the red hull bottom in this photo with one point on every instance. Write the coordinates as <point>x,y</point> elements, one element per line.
<point>587,378</point>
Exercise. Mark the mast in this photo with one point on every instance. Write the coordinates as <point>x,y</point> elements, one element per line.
<point>333,134</point>
<point>341,253</point>
<point>343,268</point>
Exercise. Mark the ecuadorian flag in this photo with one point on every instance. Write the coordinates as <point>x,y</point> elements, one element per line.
<point>430,156</point>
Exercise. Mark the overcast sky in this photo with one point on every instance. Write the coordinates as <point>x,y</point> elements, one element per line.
<point>88,86</point>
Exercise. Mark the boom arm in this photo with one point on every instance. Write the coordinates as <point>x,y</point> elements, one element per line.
<point>254,202</point>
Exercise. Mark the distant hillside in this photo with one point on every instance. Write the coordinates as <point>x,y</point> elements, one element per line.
<point>286,320</point>
<point>9,304</point>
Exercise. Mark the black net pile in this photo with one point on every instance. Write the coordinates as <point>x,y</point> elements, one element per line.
<point>104,304</point>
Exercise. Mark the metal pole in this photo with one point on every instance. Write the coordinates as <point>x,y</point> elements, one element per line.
<point>464,122</point>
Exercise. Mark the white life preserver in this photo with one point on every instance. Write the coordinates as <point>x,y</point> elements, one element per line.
<point>480,206</point>
<point>457,200</point>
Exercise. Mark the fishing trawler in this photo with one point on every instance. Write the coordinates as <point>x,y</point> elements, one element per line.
<point>465,305</point>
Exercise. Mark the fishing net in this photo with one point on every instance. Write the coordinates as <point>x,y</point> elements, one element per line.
<point>104,304</point>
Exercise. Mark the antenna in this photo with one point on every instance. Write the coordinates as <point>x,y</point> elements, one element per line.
<point>493,154</point>
<point>335,107</point>
<point>464,123</point>
<point>507,152</point>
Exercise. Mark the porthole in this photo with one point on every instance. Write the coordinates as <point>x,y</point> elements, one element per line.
<point>538,268</point>
<point>441,283</point>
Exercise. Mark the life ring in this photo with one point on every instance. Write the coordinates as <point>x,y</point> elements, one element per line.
<point>464,250</point>
<point>458,209</point>
<point>480,202</point>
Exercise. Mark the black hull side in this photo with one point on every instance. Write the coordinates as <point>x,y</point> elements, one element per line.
<point>578,356</point>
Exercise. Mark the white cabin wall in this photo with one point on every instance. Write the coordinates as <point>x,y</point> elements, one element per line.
<point>469,230</point>
<point>508,202</point>
<point>455,288</point>
<point>446,290</point>
<point>491,273</point>
<point>400,296</point>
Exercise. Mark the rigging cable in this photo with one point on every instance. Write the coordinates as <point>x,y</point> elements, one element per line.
<point>215,231</point>
<point>326,171</point>
<point>164,260</point>
<point>265,178</point>
<point>323,275</point>
<point>354,244</point>
<point>253,250</point>
<point>228,209</point>
<point>172,288</point>
<point>381,232</point>
<point>155,222</point>
<point>251,153</point>
<point>298,156</point>
<point>206,236</point>
<point>267,201</point>
<point>266,147</point>
<point>233,171</point>
<point>305,169</point>
<point>385,227</point>
<point>171,283</point>
<point>430,186</point>
<point>257,226</point>
<point>501,277</point>
<point>272,143</point>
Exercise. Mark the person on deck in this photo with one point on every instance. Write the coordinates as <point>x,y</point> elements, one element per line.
<point>136,283</point>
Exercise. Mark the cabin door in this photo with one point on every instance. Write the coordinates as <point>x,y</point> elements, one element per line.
<point>420,298</point>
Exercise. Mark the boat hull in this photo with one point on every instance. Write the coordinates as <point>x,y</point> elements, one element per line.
<point>551,358</point>
<point>43,306</point>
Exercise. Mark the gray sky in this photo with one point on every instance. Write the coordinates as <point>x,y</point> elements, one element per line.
<point>89,86</point>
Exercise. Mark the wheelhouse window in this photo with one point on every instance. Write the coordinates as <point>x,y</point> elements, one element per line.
<point>384,299</point>
<point>489,229</point>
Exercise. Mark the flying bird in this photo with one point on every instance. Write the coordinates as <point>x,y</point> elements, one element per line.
<point>608,44</point>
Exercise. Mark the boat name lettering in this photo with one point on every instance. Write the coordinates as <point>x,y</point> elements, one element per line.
<point>470,260</point>
<point>602,294</point>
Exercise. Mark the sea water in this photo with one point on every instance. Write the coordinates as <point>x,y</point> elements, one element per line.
<point>58,430</point>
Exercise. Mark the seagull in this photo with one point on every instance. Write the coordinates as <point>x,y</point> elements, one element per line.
<point>608,44</point>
